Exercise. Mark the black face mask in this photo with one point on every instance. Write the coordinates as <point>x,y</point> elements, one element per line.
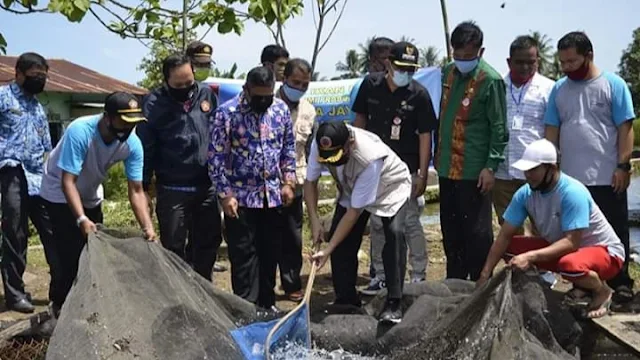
<point>120,134</point>
<point>545,184</point>
<point>260,104</point>
<point>34,84</point>
<point>182,94</point>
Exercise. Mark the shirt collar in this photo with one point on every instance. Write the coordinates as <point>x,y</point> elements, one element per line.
<point>17,91</point>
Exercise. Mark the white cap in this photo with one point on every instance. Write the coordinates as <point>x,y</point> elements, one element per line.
<point>538,152</point>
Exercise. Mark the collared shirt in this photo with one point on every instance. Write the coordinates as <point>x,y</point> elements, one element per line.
<point>525,120</point>
<point>397,117</point>
<point>24,134</point>
<point>303,117</point>
<point>589,113</point>
<point>252,156</point>
<point>473,121</point>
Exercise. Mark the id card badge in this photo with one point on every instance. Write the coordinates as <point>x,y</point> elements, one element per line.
<point>518,121</point>
<point>395,132</point>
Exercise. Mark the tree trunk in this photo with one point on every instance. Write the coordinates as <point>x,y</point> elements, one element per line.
<point>185,7</point>
<point>445,21</point>
<point>316,46</point>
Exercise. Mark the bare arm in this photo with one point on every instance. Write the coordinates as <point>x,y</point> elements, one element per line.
<point>568,244</point>
<point>625,141</point>
<point>139,204</point>
<point>71,194</point>
<point>344,228</point>
<point>425,154</point>
<point>551,133</point>
<point>499,247</point>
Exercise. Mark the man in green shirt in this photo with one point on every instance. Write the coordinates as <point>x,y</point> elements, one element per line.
<point>471,142</point>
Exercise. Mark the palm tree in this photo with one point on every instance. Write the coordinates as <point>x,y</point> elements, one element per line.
<point>429,56</point>
<point>545,51</point>
<point>363,55</point>
<point>554,70</point>
<point>351,65</point>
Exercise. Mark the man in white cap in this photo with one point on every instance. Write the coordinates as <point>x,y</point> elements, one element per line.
<point>576,239</point>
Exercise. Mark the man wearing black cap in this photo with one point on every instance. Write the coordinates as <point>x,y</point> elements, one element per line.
<point>372,180</point>
<point>74,171</point>
<point>200,55</point>
<point>399,110</point>
<point>175,141</point>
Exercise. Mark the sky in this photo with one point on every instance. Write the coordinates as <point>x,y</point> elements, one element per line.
<point>90,45</point>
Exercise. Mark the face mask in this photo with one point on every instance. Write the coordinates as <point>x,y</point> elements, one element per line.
<point>120,134</point>
<point>260,104</point>
<point>292,94</point>
<point>580,73</point>
<point>466,66</point>
<point>181,95</point>
<point>34,84</point>
<point>201,74</point>
<point>401,78</point>
<point>545,184</point>
<point>519,79</point>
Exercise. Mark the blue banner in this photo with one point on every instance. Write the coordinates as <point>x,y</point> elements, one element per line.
<point>333,99</point>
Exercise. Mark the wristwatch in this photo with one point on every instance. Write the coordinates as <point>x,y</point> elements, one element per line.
<point>624,166</point>
<point>81,219</point>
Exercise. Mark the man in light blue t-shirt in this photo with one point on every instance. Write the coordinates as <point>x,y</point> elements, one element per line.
<point>589,116</point>
<point>575,240</point>
<point>73,173</point>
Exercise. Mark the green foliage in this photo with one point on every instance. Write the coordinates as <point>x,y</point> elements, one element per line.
<point>152,20</point>
<point>115,185</point>
<point>351,67</point>
<point>629,69</point>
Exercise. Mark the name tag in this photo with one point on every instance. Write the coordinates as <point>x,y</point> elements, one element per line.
<point>395,132</point>
<point>518,122</point>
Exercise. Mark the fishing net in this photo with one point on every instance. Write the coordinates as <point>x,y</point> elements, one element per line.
<point>133,299</point>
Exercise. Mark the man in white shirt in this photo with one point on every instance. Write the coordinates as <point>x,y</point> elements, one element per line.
<point>372,180</point>
<point>527,97</point>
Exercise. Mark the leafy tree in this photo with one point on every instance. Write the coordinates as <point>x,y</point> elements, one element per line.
<point>151,64</point>
<point>545,53</point>
<point>430,56</point>
<point>629,68</point>
<point>150,20</point>
<point>351,67</point>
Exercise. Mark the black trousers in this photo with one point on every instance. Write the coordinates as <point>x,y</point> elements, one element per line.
<point>17,208</point>
<point>290,260</point>
<point>254,244</point>
<point>467,233</point>
<point>615,209</point>
<point>344,259</point>
<point>193,217</point>
<point>68,242</point>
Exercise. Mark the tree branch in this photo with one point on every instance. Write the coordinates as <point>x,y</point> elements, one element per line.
<point>29,10</point>
<point>335,24</point>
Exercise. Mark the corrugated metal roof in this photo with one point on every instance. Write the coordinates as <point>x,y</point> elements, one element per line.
<point>67,77</point>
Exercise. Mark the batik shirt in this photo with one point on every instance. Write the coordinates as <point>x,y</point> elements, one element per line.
<point>24,134</point>
<point>251,156</point>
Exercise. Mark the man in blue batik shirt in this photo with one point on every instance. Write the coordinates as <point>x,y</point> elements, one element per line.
<point>24,140</point>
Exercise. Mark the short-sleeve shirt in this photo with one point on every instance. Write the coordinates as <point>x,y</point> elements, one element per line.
<point>588,114</point>
<point>409,109</point>
<point>83,153</point>
<point>569,206</point>
<point>365,189</point>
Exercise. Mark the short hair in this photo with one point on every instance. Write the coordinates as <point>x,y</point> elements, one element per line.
<point>293,64</point>
<point>578,40</point>
<point>261,76</point>
<point>379,45</point>
<point>173,61</point>
<point>523,42</point>
<point>30,60</point>
<point>466,33</point>
<point>271,53</point>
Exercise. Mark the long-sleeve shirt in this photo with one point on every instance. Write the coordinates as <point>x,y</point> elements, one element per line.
<point>473,119</point>
<point>252,156</point>
<point>24,134</point>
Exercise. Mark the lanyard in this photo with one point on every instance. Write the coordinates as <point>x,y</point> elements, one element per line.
<point>522,92</point>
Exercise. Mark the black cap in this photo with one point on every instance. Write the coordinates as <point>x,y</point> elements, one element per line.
<point>125,106</point>
<point>404,54</point>
<point>199,52</point>
<point>331,138</point>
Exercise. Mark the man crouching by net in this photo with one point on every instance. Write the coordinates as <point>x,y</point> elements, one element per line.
<point>371,179</point>
<point>577,241</point>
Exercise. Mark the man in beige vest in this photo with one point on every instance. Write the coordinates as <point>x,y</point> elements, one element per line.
<point>372,180</point>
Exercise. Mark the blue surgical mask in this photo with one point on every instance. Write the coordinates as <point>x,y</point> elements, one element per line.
<point>293,94</point>
<point>466,66</point>
<point>401,78</point>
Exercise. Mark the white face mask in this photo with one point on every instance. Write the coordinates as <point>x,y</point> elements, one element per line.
<point>401,78</point>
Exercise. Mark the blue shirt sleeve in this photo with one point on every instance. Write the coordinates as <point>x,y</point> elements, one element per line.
<point>134,163</point>
<point>75,144</point>
<point>575,208</point>
<point>551,115</point>
<point>621,102</point>
<point>516,212</point>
